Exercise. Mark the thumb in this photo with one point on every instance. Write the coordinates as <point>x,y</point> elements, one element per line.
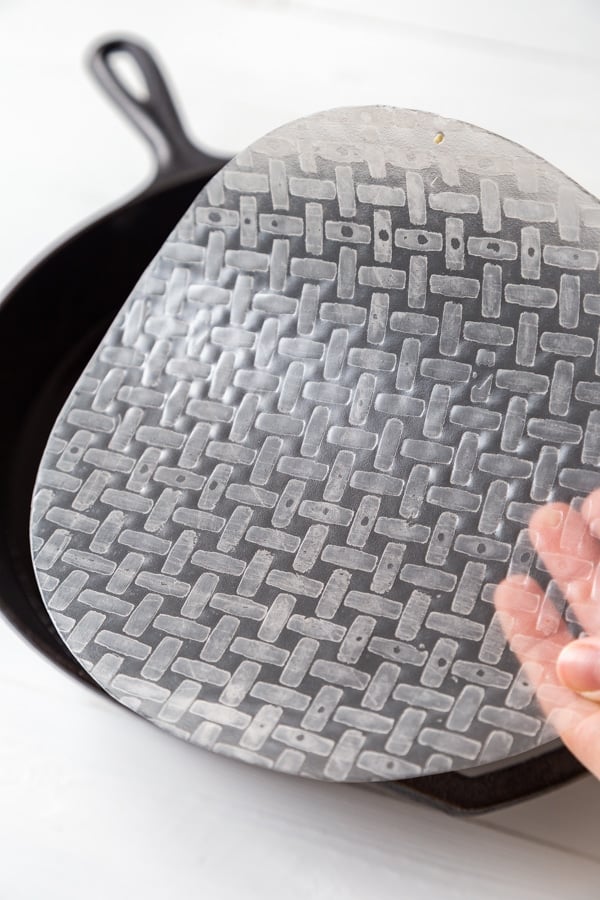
<point>578,665</point>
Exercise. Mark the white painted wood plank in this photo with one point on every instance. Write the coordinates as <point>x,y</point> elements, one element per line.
<point>566,30</point>
<point>567,817</point>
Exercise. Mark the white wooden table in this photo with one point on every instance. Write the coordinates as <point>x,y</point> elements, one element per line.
<point>93,801</point>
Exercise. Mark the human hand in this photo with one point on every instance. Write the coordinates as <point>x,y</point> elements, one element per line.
<point>564,672</point>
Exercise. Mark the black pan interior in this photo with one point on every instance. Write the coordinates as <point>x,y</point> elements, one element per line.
<point>50,324</point>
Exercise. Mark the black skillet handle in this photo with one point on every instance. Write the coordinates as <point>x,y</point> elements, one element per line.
<point>155,115</point>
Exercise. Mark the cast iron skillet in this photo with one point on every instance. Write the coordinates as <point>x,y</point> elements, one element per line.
<point>53,318</point>
<point>51,321</point>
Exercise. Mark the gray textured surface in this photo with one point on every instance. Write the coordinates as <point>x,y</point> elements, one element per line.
<point>272,513</point>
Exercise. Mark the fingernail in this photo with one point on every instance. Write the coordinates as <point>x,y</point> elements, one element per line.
<point>552,518</point>
<point>578,666</point>
<point>544,520</point>
<point>520,579</point>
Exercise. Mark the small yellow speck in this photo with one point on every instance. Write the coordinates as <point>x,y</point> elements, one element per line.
<point>439,137</point>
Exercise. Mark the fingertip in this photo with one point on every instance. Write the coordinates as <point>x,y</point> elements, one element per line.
<point>578,665</point>
<point>591,504</point>
<point>514,593</point>
<point>547,518</point>
<point>590,511</point>
<point>518,581</point>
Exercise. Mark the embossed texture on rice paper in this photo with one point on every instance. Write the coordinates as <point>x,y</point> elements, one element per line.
<point>271,515</point>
